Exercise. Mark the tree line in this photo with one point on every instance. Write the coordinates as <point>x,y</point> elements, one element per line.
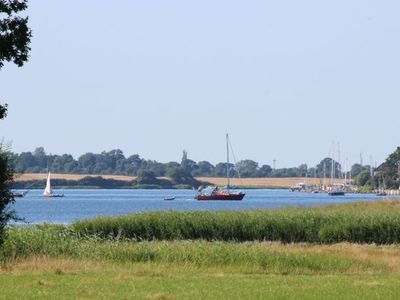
<point>386,176</point>
<point>114,162</point>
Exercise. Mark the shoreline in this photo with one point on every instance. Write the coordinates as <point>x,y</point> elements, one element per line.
<point>36,180</point>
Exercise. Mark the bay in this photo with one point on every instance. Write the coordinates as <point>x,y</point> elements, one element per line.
<point>89,203</point>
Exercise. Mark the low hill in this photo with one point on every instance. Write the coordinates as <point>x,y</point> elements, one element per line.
<point>244,182</point>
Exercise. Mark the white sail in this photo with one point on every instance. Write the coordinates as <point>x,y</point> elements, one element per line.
<point>48,191</point>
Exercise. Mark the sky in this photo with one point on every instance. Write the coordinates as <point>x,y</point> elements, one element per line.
<point>285,79</point>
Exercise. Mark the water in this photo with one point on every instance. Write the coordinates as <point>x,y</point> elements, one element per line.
<point>81,204</point>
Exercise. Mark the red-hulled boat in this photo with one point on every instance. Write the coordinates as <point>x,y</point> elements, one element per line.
<point>221,195</point>
<point>217,194</point>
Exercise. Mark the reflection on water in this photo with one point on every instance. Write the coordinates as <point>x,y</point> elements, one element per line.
<point>80,204</point>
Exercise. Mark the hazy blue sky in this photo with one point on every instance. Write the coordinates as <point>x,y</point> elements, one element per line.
<point>284,78</point>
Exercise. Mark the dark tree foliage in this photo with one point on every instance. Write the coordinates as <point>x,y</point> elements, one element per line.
<point>15,37</point>
<point>363,178</point>
<point>3,111</point>
<point>146,177</point>
<point>325,168</point>
<point>247,168</point>
<point>204,168</point>
<point>15,34</point>
<point>265,171</point>
<point>389,174</point>
<point>6,196</point>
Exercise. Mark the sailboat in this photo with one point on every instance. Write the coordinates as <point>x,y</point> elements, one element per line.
<point>48,192</point>
<point>225,194</point>
<point>335,190</point>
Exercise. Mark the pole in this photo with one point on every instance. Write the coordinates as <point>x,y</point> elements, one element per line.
<point>333,163</point>
<point>227,160</point>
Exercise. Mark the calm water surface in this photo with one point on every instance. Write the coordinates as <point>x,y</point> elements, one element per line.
<point>81,204</point>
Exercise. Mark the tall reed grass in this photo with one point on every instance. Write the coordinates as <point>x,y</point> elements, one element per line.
<point>251,257</point>
<point>288,226</point>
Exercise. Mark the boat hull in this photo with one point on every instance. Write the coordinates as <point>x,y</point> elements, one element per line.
<point>54,196</point>
<point>227,197</point>
<point>336,194</point>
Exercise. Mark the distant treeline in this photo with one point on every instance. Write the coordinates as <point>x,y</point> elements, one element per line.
<point>114,162</point>
<point>98,182</point>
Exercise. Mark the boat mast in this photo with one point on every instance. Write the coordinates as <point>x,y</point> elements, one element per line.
<point>333,164</point>
<point>227,161</point>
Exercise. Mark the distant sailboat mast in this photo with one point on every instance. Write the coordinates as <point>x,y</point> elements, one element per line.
<point>227,161</point>
<point>333,164</point>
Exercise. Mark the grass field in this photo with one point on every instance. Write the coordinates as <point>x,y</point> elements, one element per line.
<point>61,262</point>
<point>49,278</point>
<point>342,271</point>
<point>250,182</point>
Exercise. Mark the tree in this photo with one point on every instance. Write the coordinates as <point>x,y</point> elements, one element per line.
<point>3,111</point>
<point>187,164</point>
<point>355,170</point>
<point>146,177</point>
<point>15,37</point>
<point>179,175</point>
<point>15,34</point>
<point>87,162</point>
<point>247,168</point>
<point>182,173</point>
<point>184,161</point>
<point>363,178</point>
<point>204,168</point>
<point>265,171</point>
<point>6,196</point>
<point>390,170</point>
<point>325,168</point>
<point>220,170</point>
<point>40,157</point>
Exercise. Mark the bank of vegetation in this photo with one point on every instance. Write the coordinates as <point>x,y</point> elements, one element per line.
<point>61,241</point>
<point>209,253</point>
<point>215,238</point>
<point>291,225</point>
<point>241,239</point>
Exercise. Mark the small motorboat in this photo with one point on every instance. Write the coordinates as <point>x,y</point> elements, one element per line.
<point>169,198</point>
<point>336,193</point>
<point>19,194</point>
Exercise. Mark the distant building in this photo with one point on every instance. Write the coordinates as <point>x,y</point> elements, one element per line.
<point>381,168</point>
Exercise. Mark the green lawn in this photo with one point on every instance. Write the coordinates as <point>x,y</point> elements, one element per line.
<point>138,281</point>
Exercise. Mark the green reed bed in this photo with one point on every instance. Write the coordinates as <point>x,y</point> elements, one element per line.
<point>249,257</point>
<point>312,225</point>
